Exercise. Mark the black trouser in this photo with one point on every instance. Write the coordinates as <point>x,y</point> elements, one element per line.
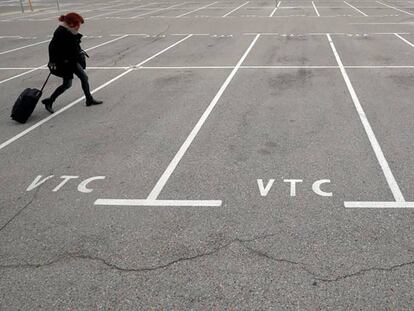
<point>67,83</point>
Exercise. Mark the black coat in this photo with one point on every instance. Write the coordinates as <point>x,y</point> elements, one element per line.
<point>64,52</point>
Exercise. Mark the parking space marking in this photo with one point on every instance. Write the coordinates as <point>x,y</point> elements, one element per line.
<point>22,17</point>
<point>24,47</point>
<point>177,158</point>
<point>187,67</point>
<point>132,202</point>
<point>83,7</point>
<point>316,10</point>
<point>152,198</point>
<point>36,125</point>
<point>375,204</point>
<point>206,6</point>
<point>392,183</point>
<point>44,66</point>
<point>405,40</point>
<point>232,11</point>
<point>374,23</point>
<point>157,10</point>
<point>274,11</point>
<point>222,67</point>
<point>120,10</point>
<point>355,8</point>
<point>397,9</point>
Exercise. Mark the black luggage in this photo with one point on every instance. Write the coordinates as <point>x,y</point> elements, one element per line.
<point>26,103</point>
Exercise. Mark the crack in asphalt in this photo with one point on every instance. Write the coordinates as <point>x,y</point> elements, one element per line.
<point>300,265</point>
<point>21,210</point>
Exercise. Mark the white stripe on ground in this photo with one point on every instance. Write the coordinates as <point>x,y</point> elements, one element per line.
<point>24,47</point>
<point>219,67</point>
<point>36,125</point>
<point>183,149</point>
<point>361,204</point>
<point>395,8</point>
<point>358,10</point>
<point>392,183</point>
<point>277,6</point>
<point>206,6</point>
<point>121,10</point>
<point>316,10</point>
<point>232,11</point>
<point>122,202</point>
<point>157,10</point>
<point>44,66</point>
<point>405,40</point>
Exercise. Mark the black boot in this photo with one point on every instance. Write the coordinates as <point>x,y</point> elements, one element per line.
<point>48,104</point>
<point>92,101</point>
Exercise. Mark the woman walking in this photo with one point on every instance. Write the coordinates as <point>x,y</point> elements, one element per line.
<point>66,58</point>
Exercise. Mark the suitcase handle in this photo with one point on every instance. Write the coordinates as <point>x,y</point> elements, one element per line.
<point>44,84</point>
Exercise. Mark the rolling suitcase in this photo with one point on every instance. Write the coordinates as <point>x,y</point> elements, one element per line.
<point>26,103</point>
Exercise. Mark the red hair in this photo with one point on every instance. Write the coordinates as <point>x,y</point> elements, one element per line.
<point>72,19</point>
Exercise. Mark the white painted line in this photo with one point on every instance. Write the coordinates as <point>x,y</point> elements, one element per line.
<point>289,67</point>
<point>157,10</point>
<point>10,13</point>
<point>105,43</point>
<point>36,125</point>
<point>395,8</point>
<point>392,183</point>
<point>120,202</point>
<point>206,6</point>
<point>277,6</point>
<point>188,67</point>
<point>406,23</point>
<point>358,10</point>
<point>13,37</point>
<point>316,10</point>
<point>183,149</point>
<point>194,34</point>
<point>132,34</point>
<point>22,74</point>
<point>232,11</point>
<point>44,66</point>
<point>121,10</point>
<point>163,51</point>
<point>23,47</point>
<point>110,68</point>
<point>218,67</point>
<point>379,67</point>
<point>22,17</point>
<point>359,204</point>
<point>405,40</point>
<point>16,68</point>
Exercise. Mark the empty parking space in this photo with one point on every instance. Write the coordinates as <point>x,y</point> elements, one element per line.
<point>281,132</point>
<point>338,12</point>
<point>375,50</point>
<point>130,50</point>
<point>391,115</point>
<point>380,11</point>
<point>205,51</point>
<point>15,43</point>
<point>254,12</point>
<point>295,50</point>
<point>213,12</point>
<point>295,12</point>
